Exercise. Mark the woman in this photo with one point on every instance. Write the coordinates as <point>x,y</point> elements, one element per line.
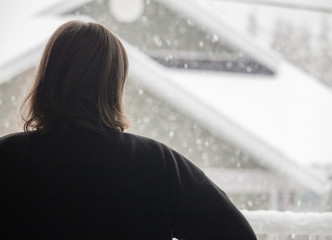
<point>75,174</point>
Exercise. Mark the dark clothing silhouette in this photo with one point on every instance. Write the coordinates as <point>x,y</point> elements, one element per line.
<point>82,185</point>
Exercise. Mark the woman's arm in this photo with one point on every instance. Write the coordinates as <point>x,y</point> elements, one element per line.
<point>201,210</point>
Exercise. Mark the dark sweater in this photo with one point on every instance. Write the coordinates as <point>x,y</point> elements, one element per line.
<point>112,186</point>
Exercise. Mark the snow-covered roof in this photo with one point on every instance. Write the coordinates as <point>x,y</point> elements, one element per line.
<point>24,31</point>
<point>291,112</point>
<point>202,95</point>
<point>284,120</point>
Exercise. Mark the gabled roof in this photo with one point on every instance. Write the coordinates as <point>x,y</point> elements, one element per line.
<point>225,105</point>
<point>283,120</point>
<point>24,31</point>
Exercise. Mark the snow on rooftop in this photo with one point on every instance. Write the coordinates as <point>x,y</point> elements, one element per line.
<point>20,28</point>
<point>222,103</point>
<point>23,31</point>
<point>290,111</point>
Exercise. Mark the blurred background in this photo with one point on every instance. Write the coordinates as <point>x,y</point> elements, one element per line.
<point>241,88</point>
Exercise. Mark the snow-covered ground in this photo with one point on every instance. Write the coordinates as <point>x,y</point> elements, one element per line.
<point>290,223</point>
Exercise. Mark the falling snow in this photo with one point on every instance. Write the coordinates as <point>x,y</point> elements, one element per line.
<point>180,42</point>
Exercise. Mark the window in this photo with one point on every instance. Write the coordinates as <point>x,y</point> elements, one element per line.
<point>242,89</point>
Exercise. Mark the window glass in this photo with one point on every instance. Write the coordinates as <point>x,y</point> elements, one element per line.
<point>297,34</point>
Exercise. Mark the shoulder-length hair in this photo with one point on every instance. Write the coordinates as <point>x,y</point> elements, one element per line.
<point>80,81</point>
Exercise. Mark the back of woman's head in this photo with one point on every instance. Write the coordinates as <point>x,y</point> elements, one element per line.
<point>79,82</point>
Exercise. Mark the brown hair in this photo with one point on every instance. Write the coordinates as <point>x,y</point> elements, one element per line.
<point>80,81</point>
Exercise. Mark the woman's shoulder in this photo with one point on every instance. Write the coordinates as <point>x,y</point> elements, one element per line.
<point>153,147</point>
<point>11,144</point>
<point>144,141</point>
<point>13,138</point>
